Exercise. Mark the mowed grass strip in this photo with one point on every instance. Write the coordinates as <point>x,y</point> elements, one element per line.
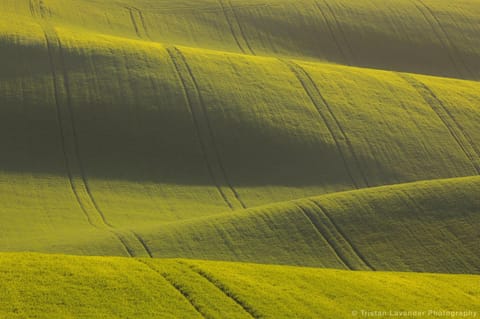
<point>46,286</point>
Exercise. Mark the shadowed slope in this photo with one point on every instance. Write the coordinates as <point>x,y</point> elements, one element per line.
<point>118,128</point>
<point>418,36</point>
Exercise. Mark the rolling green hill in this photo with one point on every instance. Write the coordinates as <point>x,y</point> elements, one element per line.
<point>44,286</point>
<point>323,133</point>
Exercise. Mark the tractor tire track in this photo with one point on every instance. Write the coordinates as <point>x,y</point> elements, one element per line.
<point>456,130</point>
<point>143,243</point>
<point>239,38</point>
<point>347,58</point>
<point>348,245</point>
<point>62,133</point>
<point>205,136</point>
<point>68,133</point>
<point>140,28</point>
<point>225,290</point>
<point>343,37</point>
<point>134,22</point>
<point>328,239</point>
<point>325,112</point>
<point>240,28</point>
<point>445,41</point>
<point>177,287</point>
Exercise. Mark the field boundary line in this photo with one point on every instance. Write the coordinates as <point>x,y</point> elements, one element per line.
<point>179,289</point>
<point>346,57</point>
<point>177,56</point>
<point>326,238</point>
<point>456,130</point>
<point>338,230</point>
<point>224,289</point>
<point>305,80</point>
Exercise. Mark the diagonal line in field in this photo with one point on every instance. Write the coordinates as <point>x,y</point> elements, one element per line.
<point>346,58</point>
<point>319,230</point>
<point>240,27</point>
<point>461,137</point>
<point>232,29</point>
<point>178,288</point>
<point>320,104</point>
<point>225,290</point>
<point>338,230</point>
<point>177,57</point>
<point>72,158</point>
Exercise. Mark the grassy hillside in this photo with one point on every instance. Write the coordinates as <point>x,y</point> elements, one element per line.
<point>85,287</point>
<point>375,229</point>
<point>109,132</point>
<point>336,134</point>
<point>427,36</point>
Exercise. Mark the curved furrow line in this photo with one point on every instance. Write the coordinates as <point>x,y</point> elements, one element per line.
<point>340,49</point>
<point>456,130</point>
<point>334,227</point>
<point>240,28</point>
<point>321,104</point>
<point>196,123</point>
<point>232,29</point>
<point>143,243</point>
<point>205,132</point>
<point>328,239</point>
<point>134,22</point>
<point>177,287</point>
<point>432,20</point>
<point>225,290</point>
<point>349,50</point>
<point>450,43</point>
<point>69,138</point>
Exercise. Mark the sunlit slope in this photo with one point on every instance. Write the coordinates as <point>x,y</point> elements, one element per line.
<point>42,286</point>
<point>100,133</point>
<point>437,37</point>
<point>426,226</point>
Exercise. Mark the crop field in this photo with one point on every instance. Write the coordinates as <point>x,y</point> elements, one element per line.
<point>239,158</point>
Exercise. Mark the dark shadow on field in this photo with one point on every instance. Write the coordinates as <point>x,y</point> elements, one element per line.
<point>131,122</point>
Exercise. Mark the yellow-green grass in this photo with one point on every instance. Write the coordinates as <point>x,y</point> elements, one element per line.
<point>103,133</point>
<point>55,286</point>
<point>421,36</point>
<point>426,226</point>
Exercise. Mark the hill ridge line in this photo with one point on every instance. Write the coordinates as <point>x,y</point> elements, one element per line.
<point>295,201</point>
<point>289,58</point>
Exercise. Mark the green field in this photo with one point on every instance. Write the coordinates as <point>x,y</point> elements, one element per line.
<point>249,138</point>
